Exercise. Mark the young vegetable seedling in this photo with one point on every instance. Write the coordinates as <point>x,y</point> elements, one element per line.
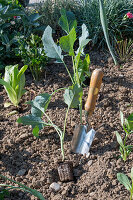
<point>38,109</point>
<point>14,82</point>
<point>80,61</point>
<point>127,125</point>
<point>123,179</point>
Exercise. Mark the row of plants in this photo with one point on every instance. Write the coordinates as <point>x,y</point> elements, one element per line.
<point>87,11</point>
<point>21,29</point>
<point>34,52</point>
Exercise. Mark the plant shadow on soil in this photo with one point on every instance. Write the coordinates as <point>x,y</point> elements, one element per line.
<point>17,194</point>
<point>122,81</point>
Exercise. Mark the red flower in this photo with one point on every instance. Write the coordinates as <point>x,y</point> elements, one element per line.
<point>129,15</point>
<point>15,17</point>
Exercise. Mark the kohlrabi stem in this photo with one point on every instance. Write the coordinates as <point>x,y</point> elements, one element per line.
<point>60,133</point>
<point>73,67</point>
<point>63,134</point>
<point>58,90</point>
<point>53,125</point>
<point>68,72</point>
<point>62,148</point>
<point>105,29</point>
<point>65,121</point>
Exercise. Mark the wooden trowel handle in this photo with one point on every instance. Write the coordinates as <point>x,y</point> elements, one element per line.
<point>95,83</point>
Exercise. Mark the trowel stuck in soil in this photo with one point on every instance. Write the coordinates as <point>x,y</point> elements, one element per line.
<point>83,135</point>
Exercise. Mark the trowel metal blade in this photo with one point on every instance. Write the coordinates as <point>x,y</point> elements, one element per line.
<point>82,139</point>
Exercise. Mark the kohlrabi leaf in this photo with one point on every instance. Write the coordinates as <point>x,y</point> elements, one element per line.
<point>51,49</point>
<point>31,120</point>
<point>67,21</point>
<point>83,68</point>
<point>72,96</point>
<point>83,41</point>
<point>67,42</point>
<point>40,104</point>
<point>119,139</point>
<point>123,179</point>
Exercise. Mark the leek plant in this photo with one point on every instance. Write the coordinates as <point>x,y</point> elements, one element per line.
<point>105,29</point>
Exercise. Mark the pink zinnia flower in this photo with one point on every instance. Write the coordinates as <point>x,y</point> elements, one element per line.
<point>15,17</point>
<point>129,15</point>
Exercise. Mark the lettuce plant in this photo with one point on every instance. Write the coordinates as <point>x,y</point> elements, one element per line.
<point>7,187</point>
<point>123,179</point>
<point>80,61</point>
<point>14,82</point>
<point>127,125</point>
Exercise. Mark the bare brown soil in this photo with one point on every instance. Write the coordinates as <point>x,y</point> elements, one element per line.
<point>95,176</point>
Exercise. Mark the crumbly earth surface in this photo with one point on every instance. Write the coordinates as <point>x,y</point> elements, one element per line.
<point>32,161</point>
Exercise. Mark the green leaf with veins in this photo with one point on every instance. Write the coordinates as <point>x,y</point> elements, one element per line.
<point>40,104</point>
<point>119,139</point>
<point>72,96</point>
<point>83,41</point>
<point>67,42</point>
<point>83,68</point>
<point>123,179</point>
<point>67,20</point>
<point>32,120</point>
<point>51,49</point>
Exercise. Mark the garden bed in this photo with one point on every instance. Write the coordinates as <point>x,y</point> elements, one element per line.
<point>32,161</point>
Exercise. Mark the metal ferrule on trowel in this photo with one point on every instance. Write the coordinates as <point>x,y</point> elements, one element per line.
<point>83,136</point>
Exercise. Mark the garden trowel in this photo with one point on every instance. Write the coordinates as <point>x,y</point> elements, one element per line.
<point>83,135</point>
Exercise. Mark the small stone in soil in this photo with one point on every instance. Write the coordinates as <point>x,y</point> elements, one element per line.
<point>92,194</point>
<point>89,163</point>
<point>21,172</point>
<point>55,186</point>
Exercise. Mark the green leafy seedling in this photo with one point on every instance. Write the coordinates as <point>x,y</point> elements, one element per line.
<point>80,61</point>
<point>127,125</point>
<point>22,187</point>
<point>38,110</point>
<point>14,82</point>
<point>123,179</point>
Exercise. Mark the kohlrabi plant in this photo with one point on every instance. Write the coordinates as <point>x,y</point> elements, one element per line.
<point>128,183</point>
<point>38,110</point>
<point>127,125</point>
<point>14,82</point>
<point>5,188</point>
<point>80,61</point>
